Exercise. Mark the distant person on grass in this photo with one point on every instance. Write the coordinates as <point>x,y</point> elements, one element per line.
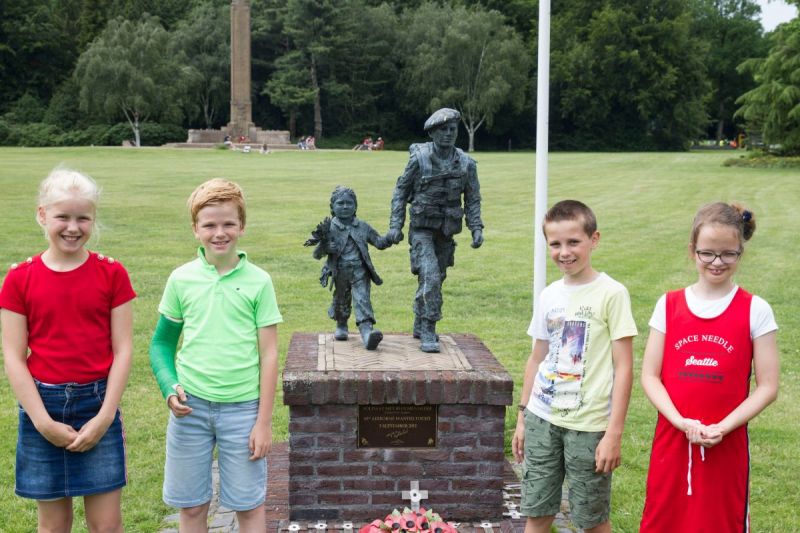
<point>71,309</point>
<point>704,341</point>
<point>577,381</point>
<point>220,387</point>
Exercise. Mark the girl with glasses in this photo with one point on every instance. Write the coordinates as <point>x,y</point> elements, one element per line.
<point>705,342</point>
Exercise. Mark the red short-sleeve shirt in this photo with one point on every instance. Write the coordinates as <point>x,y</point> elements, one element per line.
<point>68,315</point>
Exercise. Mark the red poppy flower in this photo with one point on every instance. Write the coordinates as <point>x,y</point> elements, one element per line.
<point>442,527</point>
<point>372,527</point>
<point>392,523</point>
<point>423,523</point>
<point>408,521</point>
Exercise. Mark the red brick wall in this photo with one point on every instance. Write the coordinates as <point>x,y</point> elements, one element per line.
<point>331,478</point>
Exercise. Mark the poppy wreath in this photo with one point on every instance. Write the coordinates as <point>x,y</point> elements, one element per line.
<point>409,521</point>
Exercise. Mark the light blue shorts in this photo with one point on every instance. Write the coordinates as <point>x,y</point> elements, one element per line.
<point>190,451</point>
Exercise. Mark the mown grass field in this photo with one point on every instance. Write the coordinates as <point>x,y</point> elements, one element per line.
<point>644,204</point>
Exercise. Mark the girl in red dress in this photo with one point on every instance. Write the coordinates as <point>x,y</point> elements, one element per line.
<point>705,341</point>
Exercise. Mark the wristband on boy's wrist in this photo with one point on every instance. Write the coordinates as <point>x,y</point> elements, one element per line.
<point>521,407</point>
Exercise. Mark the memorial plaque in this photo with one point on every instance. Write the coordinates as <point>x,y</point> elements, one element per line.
<point>397,426</point>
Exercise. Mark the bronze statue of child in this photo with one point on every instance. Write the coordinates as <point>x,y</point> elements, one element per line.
<point>348,268</point>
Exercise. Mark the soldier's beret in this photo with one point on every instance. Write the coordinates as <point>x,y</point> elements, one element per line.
<point>441,116</point>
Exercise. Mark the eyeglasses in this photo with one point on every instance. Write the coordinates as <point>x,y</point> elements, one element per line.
<point>728,257</point>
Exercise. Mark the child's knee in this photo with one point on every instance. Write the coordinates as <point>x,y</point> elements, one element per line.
<point>196,512</point>
<point>55,516</point>
<point>105,526</point>
<point>53,526</point>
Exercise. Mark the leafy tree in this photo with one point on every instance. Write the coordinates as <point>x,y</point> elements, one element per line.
<point>626,75</point>
<point>127,72</point>
<point>64,107</point>
<point>93,18</point>
<point>289,87</point>
<point>733,31</point>
<point>463,58</point>
<point>169,12</point>
<point>368,102</point>
<point>25,110</point>
<point>774,105</point>
<point>320,34</point>
<point>268,42</point>
<point>202,41</point>
<point>37,48</point>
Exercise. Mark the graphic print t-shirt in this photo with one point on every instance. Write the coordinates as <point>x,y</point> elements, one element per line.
<point>572,387</point>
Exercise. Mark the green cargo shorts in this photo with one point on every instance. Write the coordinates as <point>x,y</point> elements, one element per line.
<point>551,452</point>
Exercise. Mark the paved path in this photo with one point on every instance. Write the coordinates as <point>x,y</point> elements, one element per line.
<point>222,520</point>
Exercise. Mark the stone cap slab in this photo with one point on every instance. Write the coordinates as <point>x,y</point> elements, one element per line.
<point>465,372</point>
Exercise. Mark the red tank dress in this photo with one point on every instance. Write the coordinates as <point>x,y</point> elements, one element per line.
<point>706,371</point>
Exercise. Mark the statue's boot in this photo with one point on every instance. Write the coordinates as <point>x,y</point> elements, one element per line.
<point>417,327</point>
<point>370,337</point>
<point>341,331</point>
<point>427,334</point>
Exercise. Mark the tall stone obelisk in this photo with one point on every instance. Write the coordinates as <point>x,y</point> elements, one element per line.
<point>241,104</point>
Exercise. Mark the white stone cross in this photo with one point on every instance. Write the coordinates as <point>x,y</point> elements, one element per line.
<point>415,495</point>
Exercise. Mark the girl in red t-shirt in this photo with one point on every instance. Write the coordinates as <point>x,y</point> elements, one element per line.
<point>66,317</point>
<point>704,342</point>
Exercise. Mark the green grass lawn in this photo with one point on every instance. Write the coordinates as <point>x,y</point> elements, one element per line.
<point>644,204</point>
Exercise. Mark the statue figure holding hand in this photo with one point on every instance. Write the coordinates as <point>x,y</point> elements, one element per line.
<point>436,179</point>
<point>348,268</point>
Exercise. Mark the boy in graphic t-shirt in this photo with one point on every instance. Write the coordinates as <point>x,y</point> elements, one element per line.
<point>577,380</point>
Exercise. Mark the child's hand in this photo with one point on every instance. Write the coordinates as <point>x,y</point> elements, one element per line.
<point>260,441</point>
<point>394,235</point>
<point>711,435</point>
<point>177,403</point>
<point>58,434</point>
<point>608,454</point>
<point>518,442</point>
<point>90,434</point>
<point>693,430</point>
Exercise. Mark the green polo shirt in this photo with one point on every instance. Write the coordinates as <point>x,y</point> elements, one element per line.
<point>219,359</point>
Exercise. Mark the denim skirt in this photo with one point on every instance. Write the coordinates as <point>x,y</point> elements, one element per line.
<point>47,472</point>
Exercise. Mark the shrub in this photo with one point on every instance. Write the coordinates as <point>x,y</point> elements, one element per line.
<point>33,134</point>
<point>151,133</point>
<point>154,134</point>
<point>94,135</point>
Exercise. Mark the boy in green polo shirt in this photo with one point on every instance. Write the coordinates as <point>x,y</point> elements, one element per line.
<point>220,385</point>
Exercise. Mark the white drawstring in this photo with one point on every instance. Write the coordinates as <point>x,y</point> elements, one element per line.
<point>689,471</point>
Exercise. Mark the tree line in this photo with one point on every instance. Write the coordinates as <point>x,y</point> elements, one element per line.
<point>625,74</point>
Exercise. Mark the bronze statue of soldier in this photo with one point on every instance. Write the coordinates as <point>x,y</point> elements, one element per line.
<point>438,175</point>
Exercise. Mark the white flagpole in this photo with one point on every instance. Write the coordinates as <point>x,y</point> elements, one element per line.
<point>542,125</point>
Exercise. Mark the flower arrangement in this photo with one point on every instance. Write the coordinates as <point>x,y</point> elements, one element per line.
<point>409,521</point>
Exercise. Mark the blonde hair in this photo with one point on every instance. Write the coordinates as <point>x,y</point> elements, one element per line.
<point>216,191</point>
<point>64,183</point>
<point>733,215</point>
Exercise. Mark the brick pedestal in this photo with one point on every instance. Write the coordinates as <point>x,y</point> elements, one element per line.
<point>331,478</point>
